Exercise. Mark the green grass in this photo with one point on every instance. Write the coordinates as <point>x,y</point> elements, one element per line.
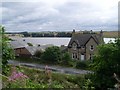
<point>39,79</point>
<point>110,34</point>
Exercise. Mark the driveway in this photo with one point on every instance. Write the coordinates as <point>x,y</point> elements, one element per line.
<point>51,67</point>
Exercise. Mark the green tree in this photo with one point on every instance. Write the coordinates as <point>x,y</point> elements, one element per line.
<point>81,65</point>
<point>52,54</point>
<point>38,53</point>
<point>105,64</point>
<point>66,58</point>
<point>7,51</point>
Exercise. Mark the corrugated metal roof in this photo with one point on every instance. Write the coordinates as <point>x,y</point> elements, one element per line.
<point>31,49</point>
<point>17,44</point>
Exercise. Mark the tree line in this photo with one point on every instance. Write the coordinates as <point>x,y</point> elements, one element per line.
<point>44,34</point>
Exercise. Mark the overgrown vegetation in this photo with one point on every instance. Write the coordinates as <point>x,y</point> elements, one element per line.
<point>82,64</point>
<point>52,54</point>
<point>7,51</point>
<point>105,64</point>
<point>38,53</point>
<point>42,79</point>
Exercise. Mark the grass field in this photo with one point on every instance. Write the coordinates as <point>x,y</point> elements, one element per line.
<point>110,34</point>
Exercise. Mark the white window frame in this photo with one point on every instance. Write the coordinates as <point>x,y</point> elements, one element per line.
<point>91,56</point>
<point>74,56</point>
<point>74,46</point>
<point>83,47</point>
<point>91,47</point>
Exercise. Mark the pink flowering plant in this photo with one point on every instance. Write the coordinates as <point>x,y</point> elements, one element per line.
<point>17,79</point>
<point>16,75</point>
<point>48,72</point>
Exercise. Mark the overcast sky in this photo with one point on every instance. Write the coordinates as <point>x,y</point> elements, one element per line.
<point>59,15</point>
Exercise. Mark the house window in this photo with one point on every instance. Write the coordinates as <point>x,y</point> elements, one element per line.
<point>83,47</point>
<point>91,47</point>
<point>74,55</point>
<point>91,56</point>
<point>74,46</point>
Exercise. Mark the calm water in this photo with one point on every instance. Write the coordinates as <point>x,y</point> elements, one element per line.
<point>51,40</point>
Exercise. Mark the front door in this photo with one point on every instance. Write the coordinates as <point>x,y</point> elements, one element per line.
<point>82,57</point>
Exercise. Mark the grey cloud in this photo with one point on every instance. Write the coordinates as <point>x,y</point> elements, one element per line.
<point>38,16</point>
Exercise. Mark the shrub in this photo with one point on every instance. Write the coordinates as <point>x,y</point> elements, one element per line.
<point>66,59</point>
<point>38,53</point>
<point>81,65</point>
<point>7,51</point>
<point>105,63</point>
<point>88,85</point>
<point>52,54</point>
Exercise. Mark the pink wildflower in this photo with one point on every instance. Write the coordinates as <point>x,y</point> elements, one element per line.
<point>25,76</point>
<point>16,75</point>
<point>48,71</point>
<point>46,67</point>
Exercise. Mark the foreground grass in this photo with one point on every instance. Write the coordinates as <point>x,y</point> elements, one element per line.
<point>39,79</point>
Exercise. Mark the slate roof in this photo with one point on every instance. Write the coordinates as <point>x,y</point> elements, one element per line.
<point>81,39</point>
<point>63,48</point>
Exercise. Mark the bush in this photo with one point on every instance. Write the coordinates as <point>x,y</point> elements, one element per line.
<point>38,53</point>
<point>7,51</point>
<point>66,59</point>
<point>105,63</point>
<point>52,54</point>
<point>81,65</point>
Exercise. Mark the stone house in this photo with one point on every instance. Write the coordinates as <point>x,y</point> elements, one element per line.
<point>83,46</point>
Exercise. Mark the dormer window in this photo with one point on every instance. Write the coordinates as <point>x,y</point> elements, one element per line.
<point>74,46</point>
<point>91,47</point>
<point>83,47</point>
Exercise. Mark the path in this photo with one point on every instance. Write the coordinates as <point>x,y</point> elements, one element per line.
<point>51,67</point>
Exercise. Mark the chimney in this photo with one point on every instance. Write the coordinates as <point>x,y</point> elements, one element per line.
<point>73,32</point>
<point>101,32</point>
<point>101,37</point>
<point>91,31</point>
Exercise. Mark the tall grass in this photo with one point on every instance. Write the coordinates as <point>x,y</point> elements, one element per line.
<point>41,79</point>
